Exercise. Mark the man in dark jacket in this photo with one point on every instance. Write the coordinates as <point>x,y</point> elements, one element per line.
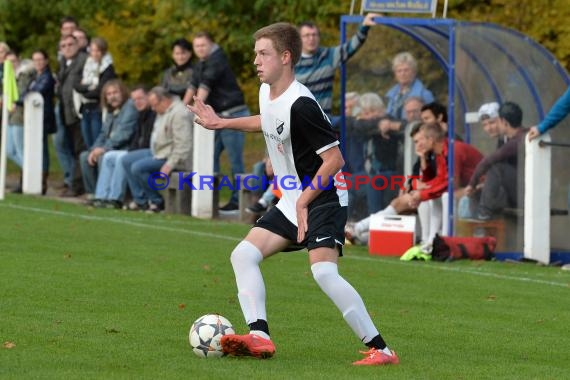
<point>70,71</point>
<point>214,82</point>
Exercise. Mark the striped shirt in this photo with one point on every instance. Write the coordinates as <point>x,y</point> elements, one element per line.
<point>317,71</point>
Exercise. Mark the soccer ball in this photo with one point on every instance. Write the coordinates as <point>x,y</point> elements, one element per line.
<point>205,335</point>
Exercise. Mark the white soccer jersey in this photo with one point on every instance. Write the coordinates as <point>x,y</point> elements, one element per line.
<point>296,131</point>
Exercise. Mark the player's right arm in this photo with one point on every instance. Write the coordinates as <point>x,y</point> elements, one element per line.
<point>206,117</point>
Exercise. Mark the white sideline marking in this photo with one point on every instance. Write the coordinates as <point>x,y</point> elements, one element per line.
<point>128,222</point>
<point>467,271</point>
<point>120,221</point>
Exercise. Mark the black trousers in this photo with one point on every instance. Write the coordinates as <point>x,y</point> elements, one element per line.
<point>73,132</point>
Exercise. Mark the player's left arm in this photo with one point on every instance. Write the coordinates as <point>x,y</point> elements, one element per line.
<point>332,163</point>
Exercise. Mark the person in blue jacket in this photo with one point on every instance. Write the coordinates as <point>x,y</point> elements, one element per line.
<point>405,69</point>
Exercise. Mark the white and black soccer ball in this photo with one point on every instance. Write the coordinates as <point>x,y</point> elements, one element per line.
<point>205,335</point>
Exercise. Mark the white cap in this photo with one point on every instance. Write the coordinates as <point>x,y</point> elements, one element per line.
<point>491,110</point>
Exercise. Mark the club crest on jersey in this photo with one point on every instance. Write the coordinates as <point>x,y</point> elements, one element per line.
<point>280,125</point>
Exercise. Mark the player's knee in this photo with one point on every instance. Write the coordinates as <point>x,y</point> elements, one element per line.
<point>323,271</point>
<point>245,253</point>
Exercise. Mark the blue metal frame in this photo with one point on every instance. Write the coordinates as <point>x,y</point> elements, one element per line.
<point>451,128</point>
<point>435,26</point>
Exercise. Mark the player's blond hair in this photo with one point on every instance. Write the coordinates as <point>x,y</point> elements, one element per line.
<point>285,37</point>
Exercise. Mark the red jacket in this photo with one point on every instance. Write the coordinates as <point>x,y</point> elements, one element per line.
<point>436,182</point>
<point>465,159</point>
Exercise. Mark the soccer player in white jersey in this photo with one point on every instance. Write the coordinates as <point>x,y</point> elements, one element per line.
<point>303,147</point>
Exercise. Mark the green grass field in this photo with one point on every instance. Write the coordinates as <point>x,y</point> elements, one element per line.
<point>111,294</point>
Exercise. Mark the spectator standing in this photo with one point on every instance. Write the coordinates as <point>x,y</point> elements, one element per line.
<point>82,39</point>
<point>382,162</point>
<point>214,82</point>
<point>413,109</point>
<point>70,71</point>
<point>405,69</point>
<point>61,139</point>
<point>67,25</point>
<point>177,79</point>
<point>97,71</point>
<point>24,71</point>
<point>317,66</point>
<point>44,83</point>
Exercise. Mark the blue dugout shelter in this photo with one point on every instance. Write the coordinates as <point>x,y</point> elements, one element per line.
<point>483,63</point>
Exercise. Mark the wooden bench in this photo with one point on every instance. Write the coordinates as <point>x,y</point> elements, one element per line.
<point>177,200</point>
<point>494,227</point>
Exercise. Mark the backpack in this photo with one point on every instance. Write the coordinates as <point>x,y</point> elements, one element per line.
<point>454,248</point>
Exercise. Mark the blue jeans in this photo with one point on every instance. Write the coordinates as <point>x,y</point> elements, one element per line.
<point>138,165</point>
<point>112,180</point>
<point>140,172</point>
<point>232,141</point>
<point>89,173</point>
<point>91,124</point>
<point>15,144</point>
<point>259,174</point>
<point>63,148</point>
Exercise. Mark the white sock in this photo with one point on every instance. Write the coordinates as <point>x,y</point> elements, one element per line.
<point>346,299</point>
<point>424,217</point>
<point>435,220</point>
<point>361,230</point>
<point>245,260</point>
<point>262,202</point>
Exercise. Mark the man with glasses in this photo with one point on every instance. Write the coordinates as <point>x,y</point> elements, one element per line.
<point>317,65</point>
<point>70,71</point>
<point>82,39</point>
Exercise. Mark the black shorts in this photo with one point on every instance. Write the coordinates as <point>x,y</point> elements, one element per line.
<point>326,227</point>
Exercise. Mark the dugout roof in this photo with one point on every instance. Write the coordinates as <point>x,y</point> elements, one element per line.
<point>484,62</point>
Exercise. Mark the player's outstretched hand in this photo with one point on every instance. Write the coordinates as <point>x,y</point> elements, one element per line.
<point>205,115</point>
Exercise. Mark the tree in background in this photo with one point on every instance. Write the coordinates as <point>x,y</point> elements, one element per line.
<point>140,31</point>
